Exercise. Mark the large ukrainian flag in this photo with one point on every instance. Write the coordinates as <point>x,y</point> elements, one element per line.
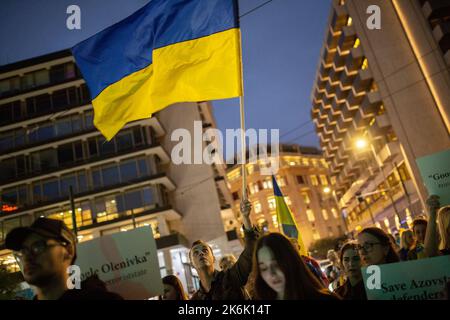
<point>169,51</point>
<point>286,219</point>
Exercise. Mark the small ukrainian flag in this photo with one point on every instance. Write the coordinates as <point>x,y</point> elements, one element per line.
<point>167,52</point>
<point>286,219</point>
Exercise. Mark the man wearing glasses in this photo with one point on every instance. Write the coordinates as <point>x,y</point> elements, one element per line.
<point>44,251</point>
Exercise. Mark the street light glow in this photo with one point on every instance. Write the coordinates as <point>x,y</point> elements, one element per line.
<point>361,143</point>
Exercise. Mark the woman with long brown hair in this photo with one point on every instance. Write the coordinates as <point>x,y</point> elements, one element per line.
<point>281,274</point>
<point>375,247</point>
<point>173,289</point>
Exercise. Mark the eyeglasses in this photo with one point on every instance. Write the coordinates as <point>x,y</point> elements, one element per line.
<point>367,247</point>
<point>36,249</point>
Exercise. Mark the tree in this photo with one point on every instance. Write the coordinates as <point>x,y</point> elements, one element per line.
<point>320,247</point>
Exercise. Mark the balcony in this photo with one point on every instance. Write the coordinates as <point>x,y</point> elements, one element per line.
<point>332,40</point>
<point>335,76</point>
<point>328,55</point>
<point>363,81</point>
<point>435,9</point>
<point>354,60</point>
<point>341,94</point>
<point>389,151</point>
<point>339,18</point>
<point>371,103</point>
<point>442,35</point>
<point>347,39</point>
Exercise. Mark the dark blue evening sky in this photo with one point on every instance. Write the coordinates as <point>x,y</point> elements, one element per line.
<point>281,46</point>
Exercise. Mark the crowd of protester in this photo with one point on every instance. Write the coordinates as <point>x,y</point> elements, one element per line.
<point>269,268</point>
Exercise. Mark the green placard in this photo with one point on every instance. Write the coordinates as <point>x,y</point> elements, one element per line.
<point>423,279</point>
<point>435,172</point>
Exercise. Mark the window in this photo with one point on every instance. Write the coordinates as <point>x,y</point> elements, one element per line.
<point>65,154</point>
<point>143,170</point>
<point>287,200</point>
<point>235,196</point>
<point>96,178</point>
<point>310,215</point>
<point>59,98</point>
<point>357,43</point>
<point>44,160</point>
<point>148,196</point>
<point>88,120</point>
<point>325,214</point>
<point>57,73</point>
<point>300,180</point>
<point>334,212</point>
<point>93,150</point>
<point>128,170</point>
<point>66,182</point>
<point>323,180</point>
<point>281,181</point>
<point>306,198</point>
<point>272,203</point>
<point>82,183</point>
<point>43,103</point>
<point>254,188</point>
<point>70,70</point>
<point>110,176</point>
<point>267,183</point>
<point>106,147</point>
<point>41,77</point>
<point>349,21</point>
<point>305,162</point>
<point>63,126</point>
<point>132,200</point>
<point>257,206</point>
<point>124,141</point>
<point>364,64</point>
<point>314,180</point>
<point>50,189</point>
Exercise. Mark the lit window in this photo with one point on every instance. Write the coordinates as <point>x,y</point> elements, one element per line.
<point>314,180</point>
<point>365,64</point>
<point>287,200</point>
<point>325,214</point>
<point>349,21</point>
<point>310,215</point>
<point>323,180</point>
<point>306,198</point>
<point>305,162</point>
<point>272,203</point>
<point>386,222</point>
<point>267,184</point>
<point>281,181</point>
<point>233,175</point>
<point>275,220</point>
<point>316,235</point>
<point>257,206</point>
<point>334,212</point>
<point>357,43</point>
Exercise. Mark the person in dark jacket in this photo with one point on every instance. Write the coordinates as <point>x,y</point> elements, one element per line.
<point>44,251</point>
<point>353,287</point>
<point>228,284</point>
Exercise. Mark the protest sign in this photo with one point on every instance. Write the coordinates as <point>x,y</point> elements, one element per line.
<point>423,279</point>
<point>435,172</point>
<point>126,261</point>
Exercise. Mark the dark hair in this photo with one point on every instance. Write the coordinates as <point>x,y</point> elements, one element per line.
<point>347,246</point>
<point>418,222</point>
<point>384,239</point>
<point>173,281</point>
<point>300,282</point>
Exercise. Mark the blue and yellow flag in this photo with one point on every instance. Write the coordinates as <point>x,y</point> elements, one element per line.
<point>286,219</point>
<point>166,52</point>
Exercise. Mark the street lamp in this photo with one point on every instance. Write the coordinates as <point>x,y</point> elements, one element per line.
<point>362,143</point>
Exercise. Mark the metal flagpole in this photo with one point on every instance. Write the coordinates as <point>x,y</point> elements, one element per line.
<point>74,217</point>
<point>242,115</point>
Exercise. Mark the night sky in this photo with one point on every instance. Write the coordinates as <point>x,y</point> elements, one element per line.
<point>281,47</point>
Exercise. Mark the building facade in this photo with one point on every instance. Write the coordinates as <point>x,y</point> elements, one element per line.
<point>48,144</point>
<point>381,99</point>
<point>304,182</point>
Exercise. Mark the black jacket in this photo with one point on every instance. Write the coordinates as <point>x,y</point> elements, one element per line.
<point>229,284</point>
